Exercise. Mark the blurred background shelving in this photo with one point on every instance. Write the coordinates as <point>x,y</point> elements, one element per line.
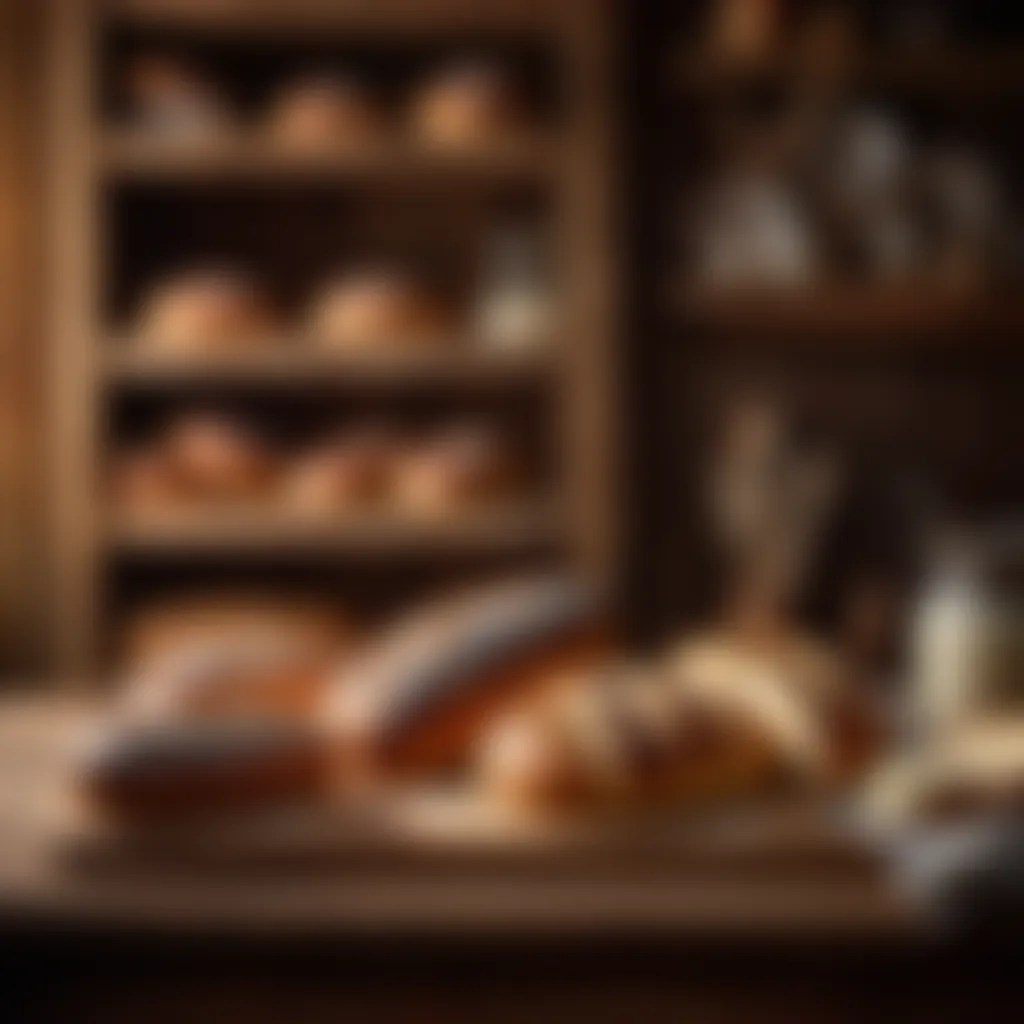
<point>135,207</point>
<point>124,157</point>
<point>297,361</point>
<point>963,72</point>
<point>759,129</point>
<point>523,529</point>
<point>919,369</point>
<point>889,316</point>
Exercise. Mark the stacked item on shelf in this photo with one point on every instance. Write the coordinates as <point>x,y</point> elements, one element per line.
<point>869,207</point>
<point>374,311</point>
<point>208,461</point>
<point>465,106</point>
<point>833,174</point>
<point>279,210</point>
<point>202,470</point>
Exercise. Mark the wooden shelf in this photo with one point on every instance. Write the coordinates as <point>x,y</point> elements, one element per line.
<point>941,70</point>
<point>852,314</point>
<point>130,156</point>
<point>299,361</point>
<point>165,209</point>
<point>260,531</point>
<point>260,17</point>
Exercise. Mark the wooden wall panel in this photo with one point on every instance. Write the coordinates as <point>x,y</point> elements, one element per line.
<point>21,415</point>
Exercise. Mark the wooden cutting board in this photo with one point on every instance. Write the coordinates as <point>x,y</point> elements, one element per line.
<point>430,862</point>
<point>435,832</point>
<point>439,832</point>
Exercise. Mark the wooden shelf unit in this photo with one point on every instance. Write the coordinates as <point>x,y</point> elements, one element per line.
<point>854,315</point>
<point>91,365</point>
<point>377,536</point>
<point>913,383</point>
<point>936,70</point>
<point>298,360</point>
<point>431,18</point>
<point>123,157</point>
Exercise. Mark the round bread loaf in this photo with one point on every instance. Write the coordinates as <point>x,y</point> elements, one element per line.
<point>469,105</point>
<point>462,468</point>
<point>374,311</point>
<point>205,310</point>
<point>213,457</point>
<point>352,472</point>
<point>325,111</point>
<point>167,96</point>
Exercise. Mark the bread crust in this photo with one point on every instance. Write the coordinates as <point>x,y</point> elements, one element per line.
<point>135,784</point>
<point>321,112</point>
<point>468,106</point>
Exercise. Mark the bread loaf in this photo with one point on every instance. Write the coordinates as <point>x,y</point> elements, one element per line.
<point>420,700</point>
<point>469,105</point>
<point>375,311</point>
<point>324,111</point>
<point>191,769</point>
<point>465,467</point>
<point>797,684</point>
<point>166,96</point>
<point>214,720</point>
<point>205,310</point>
<point>710,723</point>
<point>215,457</point>
<point>232,620</point>
<point>626,739</point>
<point>351,472</point>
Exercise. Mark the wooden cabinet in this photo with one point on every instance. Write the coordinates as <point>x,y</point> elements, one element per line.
<point>123,209</point>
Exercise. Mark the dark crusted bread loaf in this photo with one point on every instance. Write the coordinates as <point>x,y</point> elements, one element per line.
<point>183,769</point>
<point>419,701</point>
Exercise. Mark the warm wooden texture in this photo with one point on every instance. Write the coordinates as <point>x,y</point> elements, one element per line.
<point>296,360</point>
<point>210,533</point>
<point>21,444</point>
<point>126,158</point>
<point>937,71</point>
<point>402,16</point>
<point>913,382</point>
<point>560,891</point>
<point>75,288</point>
<point>857,315</point>
<point>292,218</point>
<point>590,252</point>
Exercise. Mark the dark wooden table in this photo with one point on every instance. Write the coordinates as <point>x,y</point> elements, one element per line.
<point>390,941</point>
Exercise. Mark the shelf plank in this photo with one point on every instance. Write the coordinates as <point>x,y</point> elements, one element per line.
<point>299,361</point>
<point>259,531</point>
<point>409,17</point>
<point>941,69</point>
<point>852,314</point>
<point>126,155</point>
